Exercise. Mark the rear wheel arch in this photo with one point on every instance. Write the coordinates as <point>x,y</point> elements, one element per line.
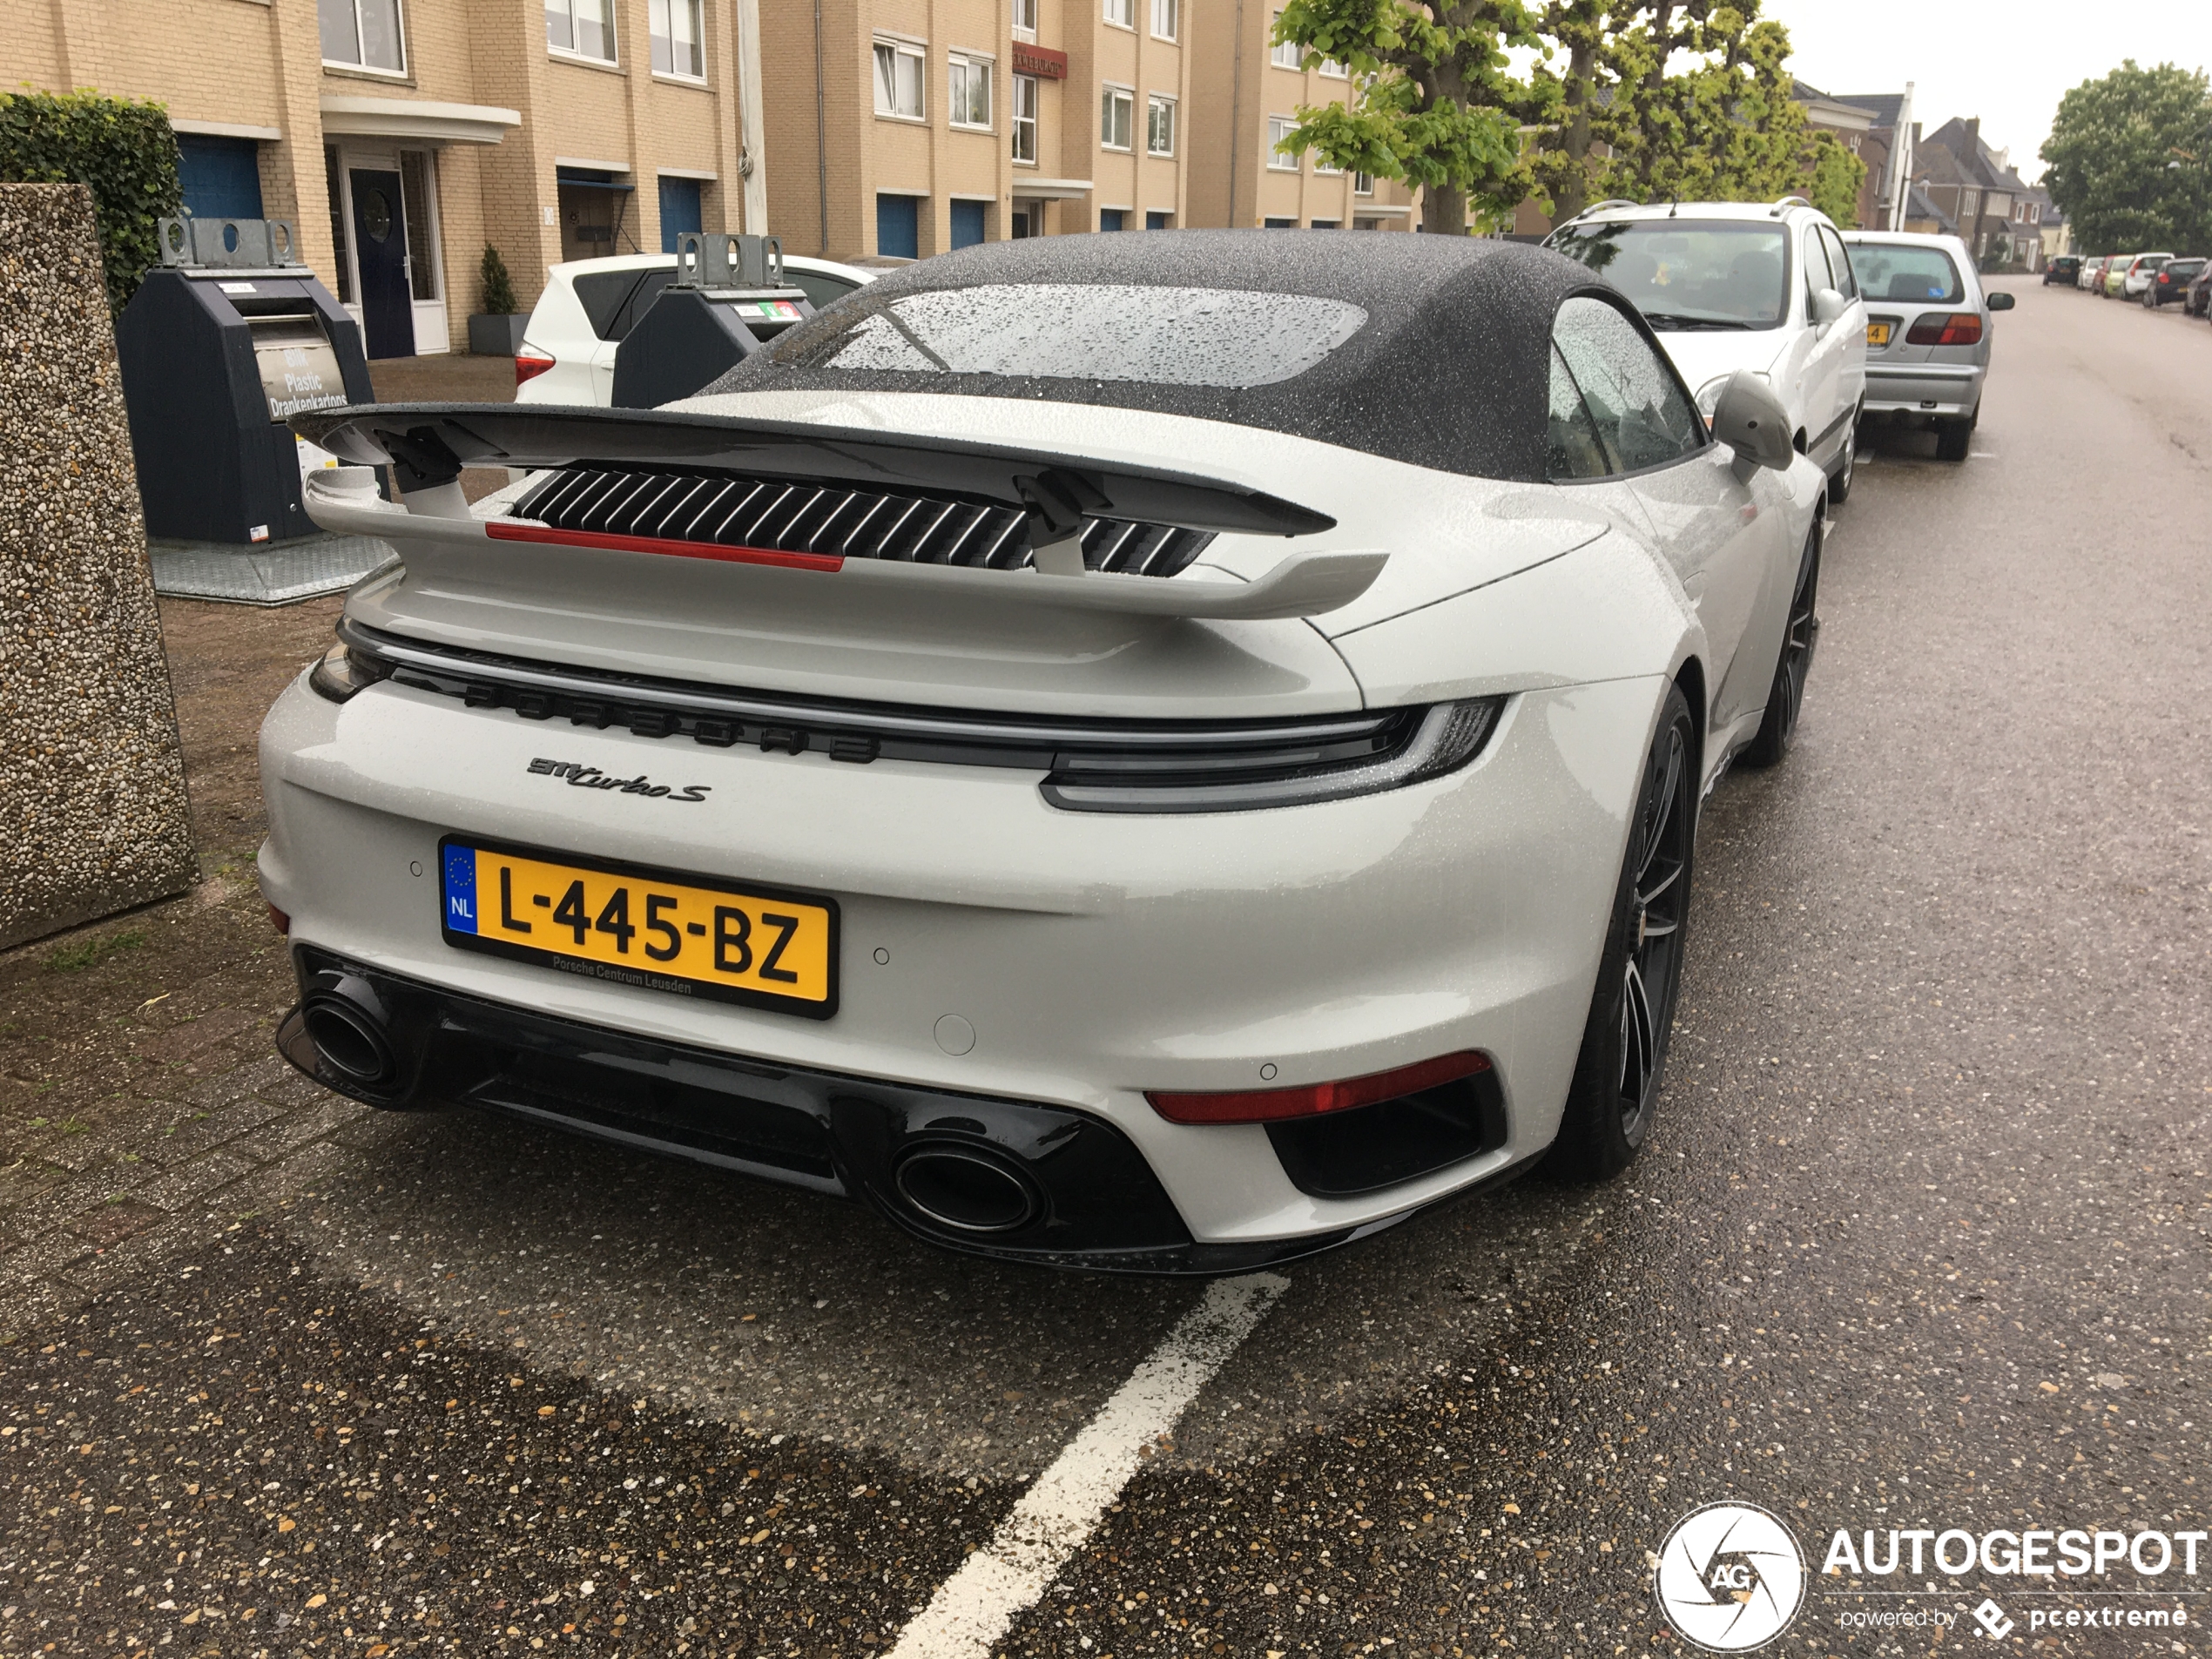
<point>1690,677</point>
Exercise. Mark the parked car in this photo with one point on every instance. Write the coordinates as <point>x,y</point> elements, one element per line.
<point>1739,284</point>
<point>1927,333</point>
<point>2171,282</point>
<point>2127,276</point>
<point>569,345</point>
<point>828,777</point>
<point>2199,301</point>
<point>2064,268</point>
<point>2093,273</point>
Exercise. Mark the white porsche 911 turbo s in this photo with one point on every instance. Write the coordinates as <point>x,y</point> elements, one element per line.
<point>1161,753</point>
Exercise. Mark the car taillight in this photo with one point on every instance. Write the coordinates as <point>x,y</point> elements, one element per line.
<point>1272,1105</point>
<point>1947,328</point>
<point>529,368</point>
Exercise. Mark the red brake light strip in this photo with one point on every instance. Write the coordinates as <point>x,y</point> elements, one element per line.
<point>509,531</point>
<point>1272,1105</point>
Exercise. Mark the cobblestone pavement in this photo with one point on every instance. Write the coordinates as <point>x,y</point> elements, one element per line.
<point>1920,1242</point>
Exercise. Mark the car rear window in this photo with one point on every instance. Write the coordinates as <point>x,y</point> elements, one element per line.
<point>819,287</point>
<point>615,299</point>
<point>1161,337</point>
<point>1907,275</point>
<point>1688,273</point>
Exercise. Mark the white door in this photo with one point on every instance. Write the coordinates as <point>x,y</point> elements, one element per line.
<point>1824,371</point>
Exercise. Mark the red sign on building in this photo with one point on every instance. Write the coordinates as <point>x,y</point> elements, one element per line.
<point>1040,60</point>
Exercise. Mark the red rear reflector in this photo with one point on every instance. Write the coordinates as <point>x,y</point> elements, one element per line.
<point>279,920</point>
<point>510,531</point>
<point>1947,328</point>
<point>1270,1105</point>
<point>529,368</point>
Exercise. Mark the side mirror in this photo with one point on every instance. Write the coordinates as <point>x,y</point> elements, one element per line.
<point>1998,302</point>
<point>1828,305</point>
<point>1751,420</point>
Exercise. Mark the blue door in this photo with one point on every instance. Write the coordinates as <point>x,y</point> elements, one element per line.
<point>220,178</point>
<point>1159,221</point>
<point>379,248</point>
<point>679,211</point>
<point>898,226</point>
<point>968,223</point>
<point>1109,218</point>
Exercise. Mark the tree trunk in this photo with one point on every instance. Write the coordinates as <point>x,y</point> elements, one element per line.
<point>1574,192</point>
<point>1444,209</point>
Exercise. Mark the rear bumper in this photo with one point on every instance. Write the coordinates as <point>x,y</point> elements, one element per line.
<point>1924,389</point>
<point>1027,1182</point>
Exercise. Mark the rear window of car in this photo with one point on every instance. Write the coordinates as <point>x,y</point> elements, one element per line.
<point>819,287</point>
<point>1906,275</point>
<point>1165,336</point>
<point>2184,268</point>
<point>615,299</point>
<point>1690,274</point>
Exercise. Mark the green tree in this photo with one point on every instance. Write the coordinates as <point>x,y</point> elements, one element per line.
<point>1559,163</point>
<point>1437,104</point>
<point>122,150</point>
<point>2130,159</point>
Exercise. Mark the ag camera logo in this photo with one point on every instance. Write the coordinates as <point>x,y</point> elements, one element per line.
<point>1731,1577</point>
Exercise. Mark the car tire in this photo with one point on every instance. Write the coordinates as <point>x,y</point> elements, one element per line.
<point>1954,438</point>
<point>1839,485</point>
<point>1624,1056</point>
<point>1785,698</point>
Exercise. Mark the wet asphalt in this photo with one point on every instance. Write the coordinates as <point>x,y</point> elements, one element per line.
<point>1920,1240</point>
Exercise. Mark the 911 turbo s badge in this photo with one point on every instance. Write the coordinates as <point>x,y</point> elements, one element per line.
<point>580,776</point>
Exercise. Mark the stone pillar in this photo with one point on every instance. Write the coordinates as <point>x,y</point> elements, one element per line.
<point>91,770</point>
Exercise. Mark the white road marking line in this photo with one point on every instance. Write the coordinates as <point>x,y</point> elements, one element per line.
<point>1056,1517</point>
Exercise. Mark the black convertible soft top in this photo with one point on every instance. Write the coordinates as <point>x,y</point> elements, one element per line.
<point>1447,368</point>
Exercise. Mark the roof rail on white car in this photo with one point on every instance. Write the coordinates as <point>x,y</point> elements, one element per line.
<point>1781,202</point>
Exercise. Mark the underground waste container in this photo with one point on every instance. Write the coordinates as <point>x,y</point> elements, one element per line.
<point>728,299</point>
<point>224,343</point>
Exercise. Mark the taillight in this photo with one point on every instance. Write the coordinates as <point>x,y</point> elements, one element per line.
<point>1272,1105</point>
<point>529,368</point>
<point>1947,328</point>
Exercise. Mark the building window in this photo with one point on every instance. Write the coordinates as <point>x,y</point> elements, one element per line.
<point>1122,13</point>
<point>968,92</point>
<point>1164,19</point>
<point>1279,128</point>
<point>334,179</point>
<point>677,40</point>
<point>418,191</point>
<point>1327,225</point>
<point>1025,19</point>
<point>584,27</point>
<point>1287,54</point>
<point>1157,221</point>
<point>362,34</point>
<point>1335,71</point>
<point>898,81</point>
<point>1110,219</point>
<point>1363,183</point>
<point>1116,112</point>
<point>1159,126</point>
<point>1279,224</point>
<point>1321,165</point>
<point>1025,119</point>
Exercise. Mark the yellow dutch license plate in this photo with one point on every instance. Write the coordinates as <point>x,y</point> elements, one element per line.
<point>1877,334</point>
<point>763,947</point>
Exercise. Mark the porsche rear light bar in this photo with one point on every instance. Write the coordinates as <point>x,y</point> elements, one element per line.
<point>1274,1105</point>
<point>506,530</point>
<point>1947,328</point>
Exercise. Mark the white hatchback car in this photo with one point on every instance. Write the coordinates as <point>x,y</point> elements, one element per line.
<point>567,354</point>
<point>1739,285</point>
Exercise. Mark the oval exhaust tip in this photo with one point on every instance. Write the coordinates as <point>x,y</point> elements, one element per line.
<point>969,1191</point>
<point>349,1039</point>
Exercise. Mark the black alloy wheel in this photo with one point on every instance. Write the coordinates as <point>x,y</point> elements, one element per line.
<point>1785,698</point>
<point>1623,1055</point>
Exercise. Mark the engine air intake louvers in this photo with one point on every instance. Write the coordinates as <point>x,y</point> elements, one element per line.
<point>829,521</point>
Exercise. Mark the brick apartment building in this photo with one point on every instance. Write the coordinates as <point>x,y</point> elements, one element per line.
<point>401,136</point>
<point>901,128</point>
<point>1250,90</point>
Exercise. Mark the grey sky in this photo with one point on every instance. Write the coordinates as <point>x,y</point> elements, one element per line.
<point>2008,64</point>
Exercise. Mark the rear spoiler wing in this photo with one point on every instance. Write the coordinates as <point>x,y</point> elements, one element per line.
<point>428,444</point>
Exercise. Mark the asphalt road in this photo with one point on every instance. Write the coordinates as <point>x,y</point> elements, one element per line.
<point>1920,1241</point>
